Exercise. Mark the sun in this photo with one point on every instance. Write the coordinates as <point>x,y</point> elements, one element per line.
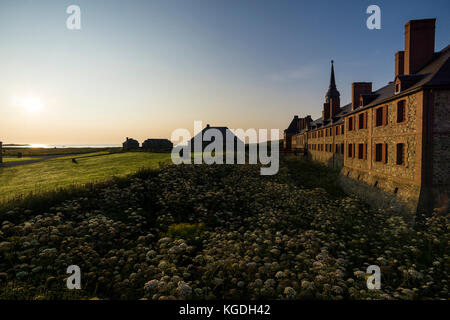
<point>30,104</point>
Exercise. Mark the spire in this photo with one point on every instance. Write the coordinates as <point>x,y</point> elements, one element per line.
<point>332,91</point>
<point>332,81</point>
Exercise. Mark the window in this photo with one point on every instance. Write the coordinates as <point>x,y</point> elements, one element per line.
<point>397,87</point>
<point>337,131</point>
<point>379,117</point>
<point>336,148</point>
<point>331,147</point>
<point>350,150</point>
<point>350,124</point>
<point>362,121</point>
<point>381,152</point>
<point>401,111</point>
<point>361,151</point>
<point>342,129</point>
<point>342,148</point>
<point>400,154</point>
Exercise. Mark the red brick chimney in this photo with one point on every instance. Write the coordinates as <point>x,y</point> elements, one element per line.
<point>399,63</point>
<point>359,88</point>
<point>419,44</point>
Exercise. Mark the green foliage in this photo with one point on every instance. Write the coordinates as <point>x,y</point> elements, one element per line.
<point>258,238</point>
<point>187,231</point>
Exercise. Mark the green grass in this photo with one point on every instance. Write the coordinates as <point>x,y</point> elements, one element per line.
<point>5,160</point>
<point>59,173</point>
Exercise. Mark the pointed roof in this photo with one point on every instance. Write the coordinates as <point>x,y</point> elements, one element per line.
<point>332,90</point>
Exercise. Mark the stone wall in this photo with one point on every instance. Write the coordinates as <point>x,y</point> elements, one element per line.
<point>441,151</point>
<point>441,138</point>
<point>329,155</point>
<point>421,182</point>
<point>387,184</point>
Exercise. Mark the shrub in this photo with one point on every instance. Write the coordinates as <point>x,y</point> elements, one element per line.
<point>187,231</point>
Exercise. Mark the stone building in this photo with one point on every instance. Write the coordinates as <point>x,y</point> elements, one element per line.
<point>391,145</point>
<point>130,144</point>
<point>159,145</point>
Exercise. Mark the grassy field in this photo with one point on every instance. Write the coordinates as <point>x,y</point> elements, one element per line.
<point>7,159</point>
<point>57,173</point>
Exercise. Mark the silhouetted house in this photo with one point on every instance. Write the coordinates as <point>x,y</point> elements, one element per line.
<point>208,136</point>
<point>157,145</point>
<point>130,144</point>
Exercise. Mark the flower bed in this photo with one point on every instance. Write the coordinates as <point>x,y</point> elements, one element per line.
<point>219,232</point>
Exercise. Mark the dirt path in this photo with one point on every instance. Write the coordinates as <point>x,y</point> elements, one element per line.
<point>38,159</point>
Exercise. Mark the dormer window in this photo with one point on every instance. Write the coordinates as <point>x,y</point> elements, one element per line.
<point>397,87</point>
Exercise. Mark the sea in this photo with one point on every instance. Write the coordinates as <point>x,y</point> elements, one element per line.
<point>63,146</point>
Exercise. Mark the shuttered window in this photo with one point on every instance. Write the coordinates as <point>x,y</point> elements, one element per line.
<point>385,115</point>
<point>401,111</point>
<point>361,151</point>
<point>400,154</point>
<point>378,151</point>
<point>361,121</point>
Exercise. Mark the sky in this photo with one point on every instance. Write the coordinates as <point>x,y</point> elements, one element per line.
<point>142,69</point>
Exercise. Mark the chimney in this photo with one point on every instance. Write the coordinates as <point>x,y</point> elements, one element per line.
<point>359,88</point>
<point>399,63</point>
<point>295,117</point>
<point>419,44</point>
<point>207,125</point>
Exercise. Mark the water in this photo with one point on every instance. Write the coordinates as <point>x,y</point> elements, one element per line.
<point>65,146</point>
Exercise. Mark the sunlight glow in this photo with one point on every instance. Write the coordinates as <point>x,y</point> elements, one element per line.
<point>30,104</point>
<point>38,146</point>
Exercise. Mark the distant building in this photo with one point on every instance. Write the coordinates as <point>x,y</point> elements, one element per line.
<point>1,152</point>
<point>391,145</point>
<point>211,131</point>
<point>130,144</point>
<point>157,145</point>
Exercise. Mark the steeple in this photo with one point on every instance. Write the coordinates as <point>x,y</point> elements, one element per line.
<point>332,102</point>
<point>332,91</point>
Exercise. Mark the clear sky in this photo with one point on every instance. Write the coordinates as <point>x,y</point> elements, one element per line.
<point>144,68</point>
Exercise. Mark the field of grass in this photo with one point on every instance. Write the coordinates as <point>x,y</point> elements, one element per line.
<point>58,173</point>
<point>8,159</point>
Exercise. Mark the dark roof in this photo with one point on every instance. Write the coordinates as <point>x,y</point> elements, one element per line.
<point>222,130</point>
<point>157,140</point>
<point>434,74</point>
<point>337,119</point>
<point>293,126</point>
